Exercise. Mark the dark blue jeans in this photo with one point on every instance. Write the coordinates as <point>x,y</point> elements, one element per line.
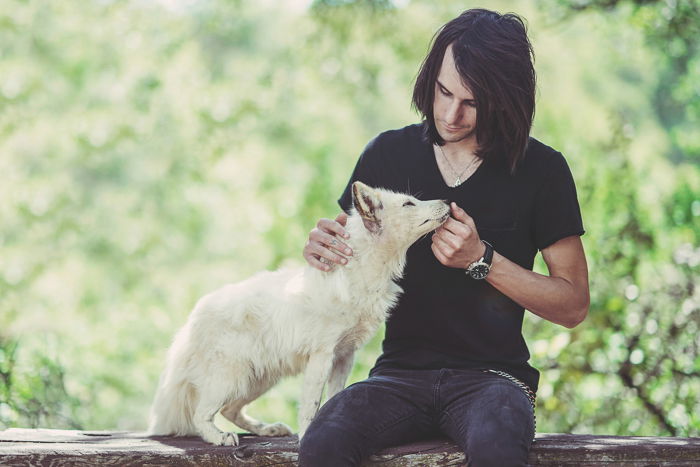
<point>486,414</point>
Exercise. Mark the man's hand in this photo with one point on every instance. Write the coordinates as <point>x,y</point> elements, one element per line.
<point>324,248</point>
<point>456,243</point>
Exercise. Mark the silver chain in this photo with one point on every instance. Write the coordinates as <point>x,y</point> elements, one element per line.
<point>459,180</point>
<point>526,389</point>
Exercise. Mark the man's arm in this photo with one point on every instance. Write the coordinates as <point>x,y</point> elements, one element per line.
<point>562,297</point>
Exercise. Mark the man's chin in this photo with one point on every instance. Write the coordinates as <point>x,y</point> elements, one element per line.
<point>455,137</point>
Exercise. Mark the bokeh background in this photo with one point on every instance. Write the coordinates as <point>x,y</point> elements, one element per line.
<point>152,150</point>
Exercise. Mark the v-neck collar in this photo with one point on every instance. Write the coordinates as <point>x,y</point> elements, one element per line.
<point>430,152</point>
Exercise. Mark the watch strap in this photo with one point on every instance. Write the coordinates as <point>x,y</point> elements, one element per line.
<point>488,254</point>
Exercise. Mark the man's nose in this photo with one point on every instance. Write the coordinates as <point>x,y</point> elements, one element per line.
<point>454,114</point>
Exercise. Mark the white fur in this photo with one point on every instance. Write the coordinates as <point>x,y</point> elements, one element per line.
<point>241,339</point>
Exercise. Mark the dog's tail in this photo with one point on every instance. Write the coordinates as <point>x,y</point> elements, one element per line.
<point>176,397</point>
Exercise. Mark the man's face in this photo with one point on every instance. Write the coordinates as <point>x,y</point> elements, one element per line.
<point>454,108</point>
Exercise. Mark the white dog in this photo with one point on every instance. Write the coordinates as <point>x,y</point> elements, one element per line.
<point>241,339</point>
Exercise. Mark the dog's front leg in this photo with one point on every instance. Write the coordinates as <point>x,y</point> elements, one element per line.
<point>317,370</point>
<point>342,364</point>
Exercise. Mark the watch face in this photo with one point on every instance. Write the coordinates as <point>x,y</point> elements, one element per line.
<point>479,271</point>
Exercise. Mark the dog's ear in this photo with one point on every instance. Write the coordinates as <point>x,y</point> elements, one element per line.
<point>367,204</point>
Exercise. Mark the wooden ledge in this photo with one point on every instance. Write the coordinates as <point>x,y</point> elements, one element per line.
<point>28,447</point>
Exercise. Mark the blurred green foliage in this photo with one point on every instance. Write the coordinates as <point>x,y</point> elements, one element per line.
<point>151,151</point>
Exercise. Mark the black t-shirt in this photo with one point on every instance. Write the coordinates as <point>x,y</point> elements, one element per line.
<point>445,319</point>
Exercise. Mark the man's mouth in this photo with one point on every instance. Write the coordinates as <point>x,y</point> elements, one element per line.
<point>452,128</point>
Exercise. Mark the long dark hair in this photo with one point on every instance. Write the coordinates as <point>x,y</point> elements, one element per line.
<point>494,57</point>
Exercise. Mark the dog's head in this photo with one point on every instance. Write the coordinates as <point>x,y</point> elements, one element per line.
<point>400,217</point>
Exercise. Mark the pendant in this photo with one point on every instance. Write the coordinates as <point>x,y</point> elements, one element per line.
<point>457,183</point>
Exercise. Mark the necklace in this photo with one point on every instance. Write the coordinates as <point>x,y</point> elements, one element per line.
<point>459,180</point>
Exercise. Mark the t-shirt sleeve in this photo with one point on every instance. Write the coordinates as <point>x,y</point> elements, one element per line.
<point>557,211</point>
<point>365,171</point>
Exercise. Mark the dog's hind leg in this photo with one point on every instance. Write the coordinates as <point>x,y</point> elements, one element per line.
<point>234,411</point>
<point>211,399</point>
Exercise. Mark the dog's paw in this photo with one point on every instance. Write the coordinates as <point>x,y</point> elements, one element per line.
<point>276,429</point>
<point>222,439</point>
<point>229,439</point>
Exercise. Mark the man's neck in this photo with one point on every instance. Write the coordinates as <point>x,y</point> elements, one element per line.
<point>461,150</point>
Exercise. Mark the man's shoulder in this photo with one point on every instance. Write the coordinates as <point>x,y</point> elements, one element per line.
<point>408,135</point>
<point>393,147</point>
<point>541,158</point>
<point>538,150</point>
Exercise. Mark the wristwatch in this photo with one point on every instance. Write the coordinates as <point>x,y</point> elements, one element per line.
<point>480,269</point>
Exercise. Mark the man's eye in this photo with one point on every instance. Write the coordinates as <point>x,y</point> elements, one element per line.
<point>444,93</point>
<point>408,203</point>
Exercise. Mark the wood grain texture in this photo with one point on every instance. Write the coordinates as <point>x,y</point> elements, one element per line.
<point>59,448</point>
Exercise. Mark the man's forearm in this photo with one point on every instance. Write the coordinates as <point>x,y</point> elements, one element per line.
<point>553,298</point>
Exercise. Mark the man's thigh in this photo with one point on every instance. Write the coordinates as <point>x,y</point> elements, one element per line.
<point>387,409</point>
<point>489,416</point>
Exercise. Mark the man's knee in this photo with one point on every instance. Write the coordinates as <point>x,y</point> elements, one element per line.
<point>484,455</point>
<point>501,433</point>
<point>345,432</point>
<point>495,459</point>
<point>324,445</point>
<point>498,445</point>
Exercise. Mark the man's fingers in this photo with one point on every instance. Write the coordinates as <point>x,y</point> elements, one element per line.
<point>328,255</point>
<point>444,247</point>
<point>324,248</point>
<point>461,215</point>
<point>332,226</point>
<point>447,238</point>
<point>438,254</point>
<point>456,228</point>
<point>318,263</point>
<point>342,218</point>
<point>314,256</point>
<point>330,241</point>
<point>334,243</point>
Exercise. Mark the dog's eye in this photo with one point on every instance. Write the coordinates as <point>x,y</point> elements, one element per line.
<point>408,203</point>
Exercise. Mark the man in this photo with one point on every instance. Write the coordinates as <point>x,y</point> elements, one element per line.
<point>454,360</point>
